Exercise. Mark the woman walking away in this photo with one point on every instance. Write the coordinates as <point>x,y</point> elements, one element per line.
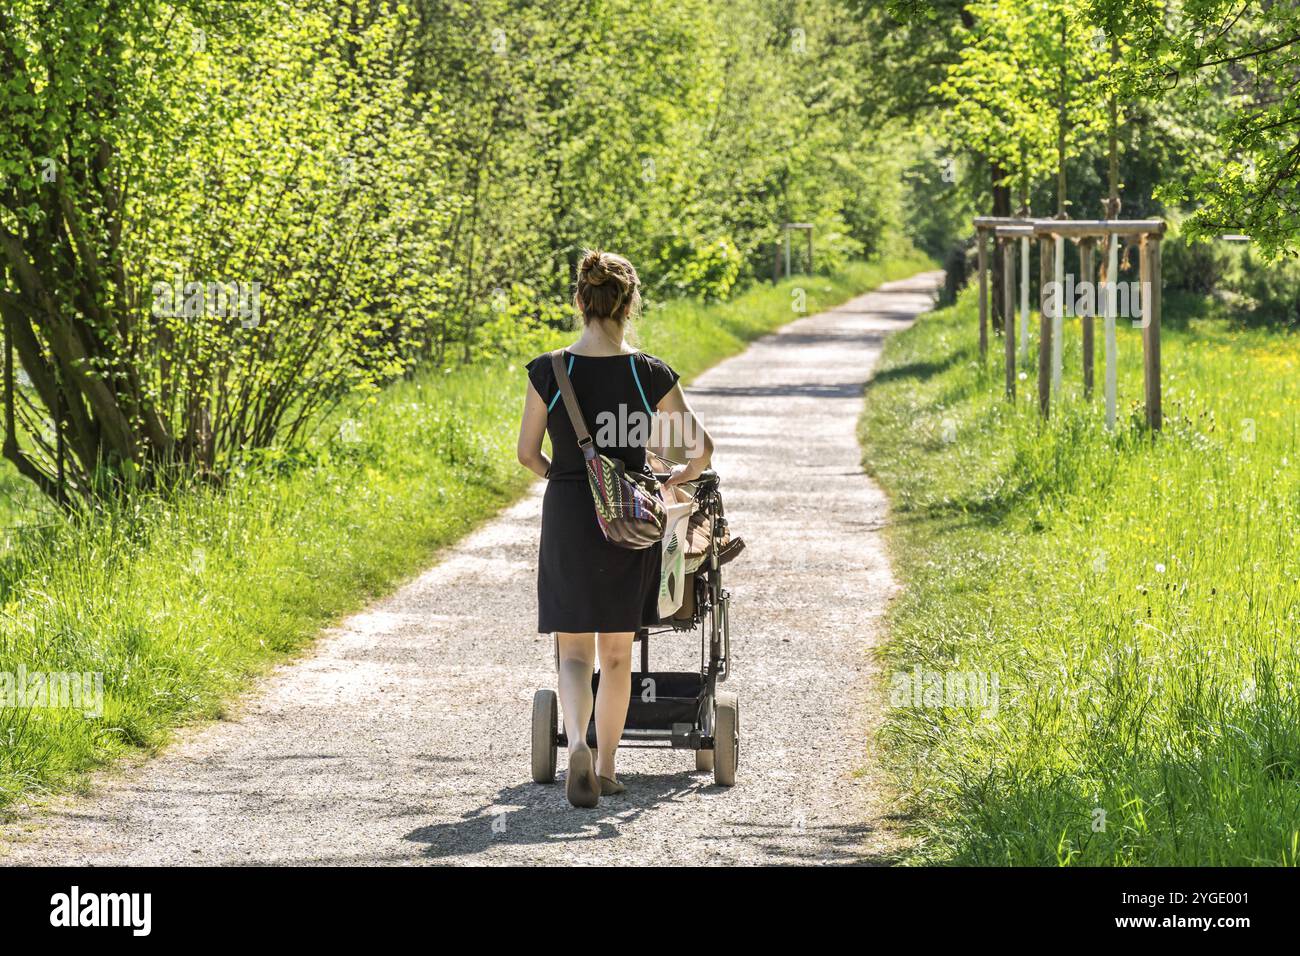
<point>592,594</point>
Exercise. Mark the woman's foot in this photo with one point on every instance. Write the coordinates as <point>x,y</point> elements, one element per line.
<point>582,787</point>
<point>610,786</point>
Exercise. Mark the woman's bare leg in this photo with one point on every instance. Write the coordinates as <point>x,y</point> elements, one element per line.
<point>577,658</point>
<point>612,698</point>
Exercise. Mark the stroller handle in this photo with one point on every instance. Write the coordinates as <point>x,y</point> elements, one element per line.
<point>708,478</point>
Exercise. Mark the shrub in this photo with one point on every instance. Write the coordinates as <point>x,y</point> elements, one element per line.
<point>704,269</point>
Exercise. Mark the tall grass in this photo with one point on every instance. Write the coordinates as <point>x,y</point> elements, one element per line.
<point>1136,597</point>
<point>178,600</point>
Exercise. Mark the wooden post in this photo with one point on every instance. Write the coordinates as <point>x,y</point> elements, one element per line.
<point>1150,276</point>
<point>1058,318</point>
<point>810,259</point>
<point>1045,270</point>
<point>1009,313</point>
<point>981,259</point>
<point>1108,323</point>
<point>1024,301</point>
<point>1087,274</point>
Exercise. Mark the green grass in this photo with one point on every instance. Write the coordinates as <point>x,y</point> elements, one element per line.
<point>178,601</point>
<point>1137,599</point>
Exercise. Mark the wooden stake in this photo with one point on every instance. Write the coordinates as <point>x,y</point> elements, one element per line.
<point>1150,275</point>
<point>1045,269</point>
<point>1087,274</point>
<point>1058,317</point>
<point>1112,352</point>
<point>1024,301</point>
<point>981,259</point>
<point>1009,314</point>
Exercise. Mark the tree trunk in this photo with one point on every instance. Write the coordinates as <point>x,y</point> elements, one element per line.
<point>1112,171</point>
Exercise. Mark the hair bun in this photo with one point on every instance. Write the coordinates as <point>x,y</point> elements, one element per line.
<point>593,269</point>
<point>607,287</point>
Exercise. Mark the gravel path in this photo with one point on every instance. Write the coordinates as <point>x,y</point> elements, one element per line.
<point>403,736</point>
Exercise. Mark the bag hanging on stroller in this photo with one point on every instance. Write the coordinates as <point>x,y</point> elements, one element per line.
<point>672,562</point>
<point>703,530</point>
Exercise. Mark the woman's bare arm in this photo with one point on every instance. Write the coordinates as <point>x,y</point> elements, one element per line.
<point>531,431</point>
<point>696,442</point>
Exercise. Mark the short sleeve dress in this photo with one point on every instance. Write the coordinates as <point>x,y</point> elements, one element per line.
<point>584,583</point>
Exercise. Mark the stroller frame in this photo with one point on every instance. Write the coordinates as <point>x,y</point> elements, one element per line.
<point>679,710</point>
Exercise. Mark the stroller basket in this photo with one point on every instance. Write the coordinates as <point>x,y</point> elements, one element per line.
<point>661,699</point>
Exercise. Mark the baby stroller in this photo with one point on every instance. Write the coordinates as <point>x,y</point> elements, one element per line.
<point>681,710</point>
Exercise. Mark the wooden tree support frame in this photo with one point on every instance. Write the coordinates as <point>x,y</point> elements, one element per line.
<point>1149,233</point>
<point>1088,234</point>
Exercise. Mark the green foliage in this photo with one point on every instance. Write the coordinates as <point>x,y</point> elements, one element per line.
<point>519,322</point>
<point>1269,290</point>
<point>1245,59</point>
<point>708,271</point>
<point>1189,265</point>
<point>675,134</point>
<point>1254,289</point>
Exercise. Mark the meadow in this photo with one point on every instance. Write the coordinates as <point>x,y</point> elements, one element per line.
<point>179,599</point>
<point>1134,598</point>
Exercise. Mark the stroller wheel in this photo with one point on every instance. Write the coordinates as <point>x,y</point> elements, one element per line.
<point>704,760</point>
<point>726,740</point>
<point>545,720</point>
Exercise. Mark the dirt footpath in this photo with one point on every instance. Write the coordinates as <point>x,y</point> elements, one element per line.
<point>403,738</point>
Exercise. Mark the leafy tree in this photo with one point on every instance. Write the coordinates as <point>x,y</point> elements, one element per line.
<point>206,210</point>
<point>1245,57</point>
<point>1023,91</point>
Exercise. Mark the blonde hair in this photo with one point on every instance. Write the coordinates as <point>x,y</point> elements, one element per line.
<point>608,287</point>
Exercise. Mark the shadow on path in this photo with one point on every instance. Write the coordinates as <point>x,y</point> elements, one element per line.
<point>529,814</point>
